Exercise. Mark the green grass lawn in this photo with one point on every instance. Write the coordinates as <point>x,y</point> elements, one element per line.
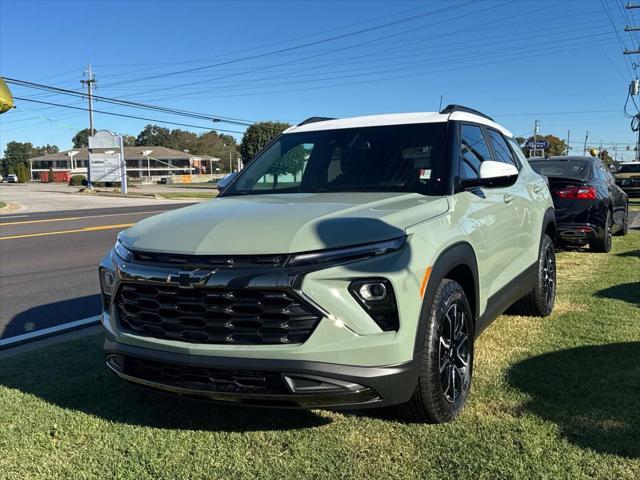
<point>552,398</point>
<point>634,204</point>
<point>2,205</point>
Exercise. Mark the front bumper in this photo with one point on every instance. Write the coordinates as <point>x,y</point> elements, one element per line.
<point>263,382</point>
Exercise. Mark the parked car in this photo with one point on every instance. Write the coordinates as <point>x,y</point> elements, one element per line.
<point>590,207</point>
<point>361,278</point>
<point>12,178</point>
<point>628,178</point>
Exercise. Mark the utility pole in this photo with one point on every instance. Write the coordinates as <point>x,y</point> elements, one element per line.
<point>91,79</point>
<point>634,88</point>
<point>568,142</point>
<point>586,139</point>
<point>535,138</point>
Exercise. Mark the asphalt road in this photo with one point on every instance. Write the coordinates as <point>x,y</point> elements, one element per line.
<point>48,264</point>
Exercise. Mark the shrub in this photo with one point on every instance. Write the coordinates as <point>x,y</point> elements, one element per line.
<point>77,180</point>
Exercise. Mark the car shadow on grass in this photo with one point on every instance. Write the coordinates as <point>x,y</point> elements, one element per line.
<point>592,393</point>
<point>630,253</point>
<point>72,376</point>
<point>627,292</point>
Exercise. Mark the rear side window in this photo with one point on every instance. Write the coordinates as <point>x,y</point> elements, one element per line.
<point>473,151</point>
<point>500,148</point>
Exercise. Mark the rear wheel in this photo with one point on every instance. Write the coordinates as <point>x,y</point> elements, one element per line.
<point>444,377</point>
<point>603,242</point>
<point>540,300</point>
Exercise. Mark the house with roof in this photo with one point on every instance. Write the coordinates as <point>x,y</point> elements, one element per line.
<point>143,163</point>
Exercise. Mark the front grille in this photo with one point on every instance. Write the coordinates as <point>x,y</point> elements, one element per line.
<point>202,378</point>
<point>204,261</point>
<point>215,315</point>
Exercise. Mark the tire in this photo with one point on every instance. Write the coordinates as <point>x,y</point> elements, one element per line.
<point>625,223</point>
<point>444,377</point>
<point>602,244</point>
<point>540,300</point>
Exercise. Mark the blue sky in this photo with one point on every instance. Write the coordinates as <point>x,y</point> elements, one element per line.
<point>518,61</point>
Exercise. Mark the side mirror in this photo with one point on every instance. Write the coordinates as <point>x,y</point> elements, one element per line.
<point>225,181</point>
<point>493,174</point>
<point>490,169</point>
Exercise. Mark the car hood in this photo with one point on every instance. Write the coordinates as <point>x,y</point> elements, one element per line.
<point>284,223</point>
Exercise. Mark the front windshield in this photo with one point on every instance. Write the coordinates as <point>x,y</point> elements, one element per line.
<point>396,158</point>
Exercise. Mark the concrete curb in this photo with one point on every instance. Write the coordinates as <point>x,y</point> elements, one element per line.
<point>47,333</point>
<point>45,342</point>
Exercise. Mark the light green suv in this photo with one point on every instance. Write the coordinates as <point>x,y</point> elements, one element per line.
<point>352,263</point>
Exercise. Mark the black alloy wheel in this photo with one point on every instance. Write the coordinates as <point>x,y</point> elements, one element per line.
<point>454,354</point>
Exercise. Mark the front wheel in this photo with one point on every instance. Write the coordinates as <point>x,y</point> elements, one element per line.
<point>446,363</point>
<point>540,300</point>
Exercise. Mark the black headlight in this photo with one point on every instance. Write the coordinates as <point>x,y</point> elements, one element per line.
<point>107,283</point>
<point>377,298</point>
<point>122,252</point>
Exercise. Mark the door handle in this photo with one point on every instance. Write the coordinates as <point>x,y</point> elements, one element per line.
<point>508,198</point>
<point>537,188</point>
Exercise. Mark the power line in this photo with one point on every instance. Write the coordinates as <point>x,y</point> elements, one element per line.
<point>126,116</point>
<point>324,53</point>
<point>300,46</point>
<point>127,103</point>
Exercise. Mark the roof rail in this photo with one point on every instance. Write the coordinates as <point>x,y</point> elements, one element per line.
<point>461,108</point>
<point>314,120</point>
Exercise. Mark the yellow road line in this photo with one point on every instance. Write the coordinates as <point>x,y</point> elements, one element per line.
<point>61,232</point>
<point>23,222</point>
<point>39,221</point>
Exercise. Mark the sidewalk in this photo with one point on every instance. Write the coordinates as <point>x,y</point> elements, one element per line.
<point>47,197</point>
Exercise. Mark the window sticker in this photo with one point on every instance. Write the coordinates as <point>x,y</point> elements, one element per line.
<point>425,174</point>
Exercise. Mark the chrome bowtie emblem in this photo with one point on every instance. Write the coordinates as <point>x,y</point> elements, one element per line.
<point>192,278</point>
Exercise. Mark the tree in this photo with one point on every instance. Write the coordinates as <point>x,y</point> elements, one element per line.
<point>81,139</point>
<point>606,158</point>
<point>219,146</point>
<point>520,140</point>
<point>128,140</point>
<point>22,172</point>
<point>19,153</point>
<point>154,136</point>
<point>258,136</point>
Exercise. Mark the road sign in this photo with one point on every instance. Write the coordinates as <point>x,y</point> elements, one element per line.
<point>537,145</point>
<point>106,170</point>
<point>104,167</point>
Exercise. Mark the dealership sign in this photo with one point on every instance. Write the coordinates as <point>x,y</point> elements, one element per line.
<point>537,145</point>
<point>104,167</point>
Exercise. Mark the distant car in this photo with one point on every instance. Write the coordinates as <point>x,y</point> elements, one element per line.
<point>1,178</point>
<point>590,207</point>
<point>628,178</point>
<point>12,178</point>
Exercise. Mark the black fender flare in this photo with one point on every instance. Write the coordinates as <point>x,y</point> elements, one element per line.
<point>549,218</point>
<point>460,253</point>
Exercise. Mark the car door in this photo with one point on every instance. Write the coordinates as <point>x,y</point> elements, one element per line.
<point>618,198</point>
<point>491,211</point>
<point>524,194</point>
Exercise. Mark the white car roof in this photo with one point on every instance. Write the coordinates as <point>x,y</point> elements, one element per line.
<point>396,119</point>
